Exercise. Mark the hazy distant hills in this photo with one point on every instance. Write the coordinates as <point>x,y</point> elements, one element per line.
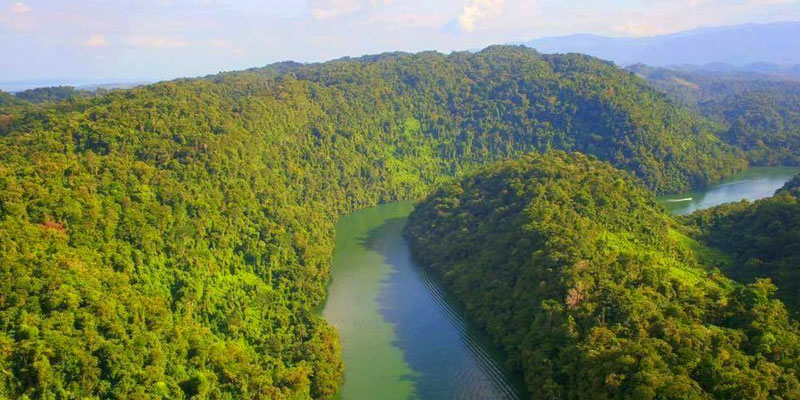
<point>762,71</point>
<point>775,43</point>
<point>19,86</point>
<point>758,105</point>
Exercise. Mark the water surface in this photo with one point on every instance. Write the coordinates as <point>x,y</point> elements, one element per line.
<point>753,184</point>
<point>401,337</point>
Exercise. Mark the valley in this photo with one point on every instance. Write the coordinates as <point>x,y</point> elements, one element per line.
<point>240,235</point>
<point>594,291</point>
<point>404,337</point>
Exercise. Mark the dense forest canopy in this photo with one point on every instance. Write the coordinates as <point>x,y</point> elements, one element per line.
<point>55,94</point>
<point>12,105</point>
<point>173,240</point>
<point>48,95</point>
<point>791,187</point>
<point>760,112</point>
<point>506,101</point>
<point>5,98</point>
<point>763,237</point>
<point>595,292</point>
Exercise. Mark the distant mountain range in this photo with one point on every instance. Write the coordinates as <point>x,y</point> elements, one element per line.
<point>761,70</point>
<point>752,44</point>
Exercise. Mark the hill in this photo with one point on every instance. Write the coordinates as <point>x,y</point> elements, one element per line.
<point>54,94</point>
<point>763,237</point>
<point>774,43</point>
<point>760,70</point>
<point>594,292</point>
<point>760,112</point>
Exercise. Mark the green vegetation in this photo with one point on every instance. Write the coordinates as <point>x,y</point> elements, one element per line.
<point>55,94</point>
<point>6,98</point>
<point>173,240</point>
<point>506,101</point>
<point>791,188</point>
<point>14,105</point>
<point>760,114</point>
<point>9,105</point>
<point>763,237</point>
<point>595,292</point>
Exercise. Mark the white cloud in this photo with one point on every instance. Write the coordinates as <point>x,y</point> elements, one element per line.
<point>225,45</point>
<point>405,21</point>
<point>19,8</point>
<point>96,40</point>
<point>328,9</point>
<point>156,42</point>
<point>477,10</point>
<point>638,29</point>
<point>18,17</point>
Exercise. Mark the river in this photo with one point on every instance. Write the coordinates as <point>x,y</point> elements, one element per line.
<point>403,338</point>
<point>753,184</point>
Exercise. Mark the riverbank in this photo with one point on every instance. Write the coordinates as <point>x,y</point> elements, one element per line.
<point>402,337</point>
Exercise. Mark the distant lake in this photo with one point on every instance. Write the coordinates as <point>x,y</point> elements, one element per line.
<point>403,337</point>
<point>753,184</point>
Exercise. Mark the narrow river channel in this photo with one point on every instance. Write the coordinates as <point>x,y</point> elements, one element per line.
<point>403,338</point>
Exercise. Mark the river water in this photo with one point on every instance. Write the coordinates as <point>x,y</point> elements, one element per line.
<point>403,338</point>
<point>753,184</point>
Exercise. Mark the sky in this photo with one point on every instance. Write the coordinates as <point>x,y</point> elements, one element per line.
<point>81,41</point>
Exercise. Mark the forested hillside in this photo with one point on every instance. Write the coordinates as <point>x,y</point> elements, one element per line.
<point>506,101</point>
<point>28,100</point>
<point>9,102</point>
<point>55,94</point>
<point>762,236</point>
<point>760,113</point>
<point>172,240</point>
<point>594,292</point>
<point>5,98</point>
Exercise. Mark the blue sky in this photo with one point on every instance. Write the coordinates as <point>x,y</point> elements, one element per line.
<point>100,40</point>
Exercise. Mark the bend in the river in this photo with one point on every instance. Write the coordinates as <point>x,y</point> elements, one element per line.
<point>401,335</point>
